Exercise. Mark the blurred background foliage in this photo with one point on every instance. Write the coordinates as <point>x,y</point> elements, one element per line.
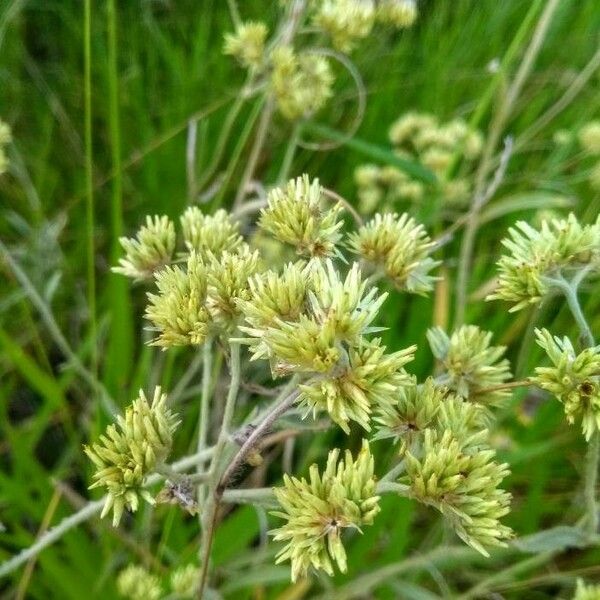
<point>168,69</point>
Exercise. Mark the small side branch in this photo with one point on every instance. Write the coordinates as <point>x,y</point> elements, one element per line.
<point>254,438</point>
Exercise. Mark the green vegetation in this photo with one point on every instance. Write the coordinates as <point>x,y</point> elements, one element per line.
<point>119,110</point>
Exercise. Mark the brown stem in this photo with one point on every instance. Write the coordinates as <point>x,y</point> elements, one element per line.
<point>254,438</point>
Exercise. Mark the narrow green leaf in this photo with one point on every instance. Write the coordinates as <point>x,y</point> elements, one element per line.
<point>385,155</point>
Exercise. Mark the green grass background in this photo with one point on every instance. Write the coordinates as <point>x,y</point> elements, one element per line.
<point>154,65</point>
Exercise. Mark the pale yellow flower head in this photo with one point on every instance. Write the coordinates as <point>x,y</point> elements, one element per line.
<point>247,44</point>
<point>298,215</point>
<point>470,363</point>
<point>345,21</point>
<point>209,234</point>
<point>228,284</point>
<point>461,480</point>
<point>558,248</point>
<point>178,311</point>
<point>301,84</point>
<point>130,450</point>
<point>369,381</point>
<point>573,378</point>
<point>589,137</point>
<point>400,247</point>
<point>318,510</point>
<point>136,583</point>
<point>151,249</point>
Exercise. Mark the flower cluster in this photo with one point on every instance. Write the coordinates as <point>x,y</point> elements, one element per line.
<point>228,284</point>
<point>178,311</point>
<point>399,246</point>
<point>421,137</point>
<point>449,464</point>
<point>427,406</point>
<point>574,379</point>
<point>400,14</point>
<point>347,22</point>
<point>318,510</point>
<point>150,250</point>
<point>184,581</point>
<point>310,321</point>
<point>296,216</point>
<point>315,321</point>
<point>130,450</point>
<point>134,582</point>
<point>470,364</point>
<point>461,479</point>
<point>300,82</point>
<point>247,44</point>
<point>197,298</point>
<point>209,235</point>
<point>5,139</point>
<point>557,249</point>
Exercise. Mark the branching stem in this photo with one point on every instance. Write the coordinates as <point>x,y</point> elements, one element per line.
<point>212,503</point>
<point>592,459</point>
<point>204,410</point>
<point>278,409</point>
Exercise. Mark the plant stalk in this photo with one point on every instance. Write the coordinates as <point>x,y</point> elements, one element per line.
<point>204,411</point>
<point>212,503</point>
<point>569,290</point>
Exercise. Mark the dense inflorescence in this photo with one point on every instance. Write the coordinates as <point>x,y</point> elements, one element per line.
<point>319,509</point>
<point>130,450</point>
<point>558,249</point>
<point>442,147</point>
<point>316,319</point>
<point>461,479</point>
<point>573,378</point>
<point>470,363</point>
<point>400,247</point>
<point>150,251</point>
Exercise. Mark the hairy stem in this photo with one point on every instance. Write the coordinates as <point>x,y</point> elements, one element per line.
<point>569,290</point>
<point>259,496</point>
<point>570,293</point>
<point>391,487</point>
<point>590,481</point>
<point>90,510</point>
<point>391,475</point>
<point>204,411</point>
<point>266,496</point>
<point>212,503</point>
<point>278,409</point>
